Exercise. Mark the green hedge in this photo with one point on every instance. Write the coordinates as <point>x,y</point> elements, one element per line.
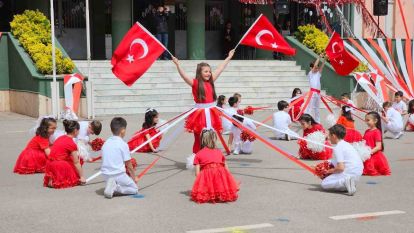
<point>32,29</point>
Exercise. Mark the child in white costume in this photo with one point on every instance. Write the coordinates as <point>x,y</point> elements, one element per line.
<point>116,159</point>
<point>230,111</point>
<point>399,103</point>
<point>240,146</point>
<point>347,163</point>
<point>393,120</point>
<point>282,121</point>
<point>82,140</point>
<point>314,76</point>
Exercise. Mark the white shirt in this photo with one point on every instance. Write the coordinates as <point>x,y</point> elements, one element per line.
<point>345,153</point>
<point>400,106</point>
<point>315,80</point>
<point>227,125</point>
<point>115,152</point>
<point>395,117</point>
<point>83,131</point>
<point>281,121</point>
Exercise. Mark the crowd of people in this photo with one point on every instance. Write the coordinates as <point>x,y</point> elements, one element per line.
<point>61,155</point>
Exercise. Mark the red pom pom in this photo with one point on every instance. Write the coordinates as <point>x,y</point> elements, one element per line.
<point>322,168</point>
<point>134,165</point>
<point>240,112</point>
<point>249,110</point>
<point>97,144</point>
<point>245,136</point>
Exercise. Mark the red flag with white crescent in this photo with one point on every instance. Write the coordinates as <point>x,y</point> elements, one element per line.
<point>263,35</point>
<point>342,61</point>
<point>135,54</point>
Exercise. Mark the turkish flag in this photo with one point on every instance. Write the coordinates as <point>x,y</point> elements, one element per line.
<point>135,54</point>
<point>342,61</point>
<point>263,35</point>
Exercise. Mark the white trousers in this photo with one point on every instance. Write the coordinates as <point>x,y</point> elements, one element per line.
<point>124,184</point>
<point>393,128</point>
<point>281,136</point>
<point>335,182</point>
<point>243,147</point>
<point>314,107</point>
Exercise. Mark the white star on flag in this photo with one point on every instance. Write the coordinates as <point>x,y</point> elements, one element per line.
<point>341,62</point>
<point>130,58</point>
<point>274,45</point>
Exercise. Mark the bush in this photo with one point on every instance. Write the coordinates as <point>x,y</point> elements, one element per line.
<point>32,29</point>
<point>361,68</point>
<point>312,38</point>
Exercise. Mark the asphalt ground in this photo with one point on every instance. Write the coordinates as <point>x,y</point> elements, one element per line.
<point>274,192</point>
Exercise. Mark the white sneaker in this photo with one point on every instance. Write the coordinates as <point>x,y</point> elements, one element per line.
<point>350,186</point>
<point>399,135</point>
<point>236,152</point>
<point>110,188</point>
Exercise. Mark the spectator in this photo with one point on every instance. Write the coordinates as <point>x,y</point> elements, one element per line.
<point>161,28</point>
<point>228,39</point>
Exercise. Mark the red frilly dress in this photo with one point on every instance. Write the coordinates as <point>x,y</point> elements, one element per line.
<point>140,138</point>
<point>196,121</point>
<point>295,110</point>
<point>305,153</point>
<point>60,169</point>
<point>33,158</point>
<point>377,165</point>
<point>214,183</point>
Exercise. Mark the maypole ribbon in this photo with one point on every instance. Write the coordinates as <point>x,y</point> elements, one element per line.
<point>271,145</point>
<point>149,140</point>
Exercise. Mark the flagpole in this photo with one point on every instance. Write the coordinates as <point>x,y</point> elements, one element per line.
<point>55,97</point>
<point>91,113</point>
<point>247,32</point>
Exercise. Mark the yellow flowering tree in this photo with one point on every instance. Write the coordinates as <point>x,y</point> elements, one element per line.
<point>32,29</point>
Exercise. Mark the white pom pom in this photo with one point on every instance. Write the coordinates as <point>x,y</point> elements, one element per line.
<point>316,141</point>
<point>83,150</point>
<point>411,119</point>
<point>190,162</point>
<point>56,135</point>
<point>330,120</point>
<point>363,150</point>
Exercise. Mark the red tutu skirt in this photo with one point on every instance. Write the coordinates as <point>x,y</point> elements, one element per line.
<point>352,136</point>
<point>31,161</point>
<point>196,121</point>
<point>377,165</point>
<point>214,184</point>
<point>61,174</point>
<point>305,153</point>
<point>137,141</point>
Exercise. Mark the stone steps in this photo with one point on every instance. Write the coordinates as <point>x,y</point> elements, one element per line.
<point>261,83</point>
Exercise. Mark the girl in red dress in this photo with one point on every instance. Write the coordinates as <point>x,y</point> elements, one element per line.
<point>148,131</point>
<point>310,126</point>
<point>34,157</point>
<point>214,182</point>
<point>204,95</point>
<point>295,110</point>
<point>63,169</point>
<point>410,123</point>
<point>376,165</point>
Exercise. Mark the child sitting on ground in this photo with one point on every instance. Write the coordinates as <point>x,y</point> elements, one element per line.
<point>147,131</point>
<point>393,120</point>
<point>115,157</point>
<point>239,144</point>
<point>347,163</point>
<point>230,111</point>
<point>82,140</point>
<point>214,182</point>
<point>282,121</point>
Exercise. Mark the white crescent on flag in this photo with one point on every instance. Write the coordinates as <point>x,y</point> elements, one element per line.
<point>260,34</point>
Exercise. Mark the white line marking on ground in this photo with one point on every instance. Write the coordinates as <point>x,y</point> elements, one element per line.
<point>230,229</point>
<point>364,215</point>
